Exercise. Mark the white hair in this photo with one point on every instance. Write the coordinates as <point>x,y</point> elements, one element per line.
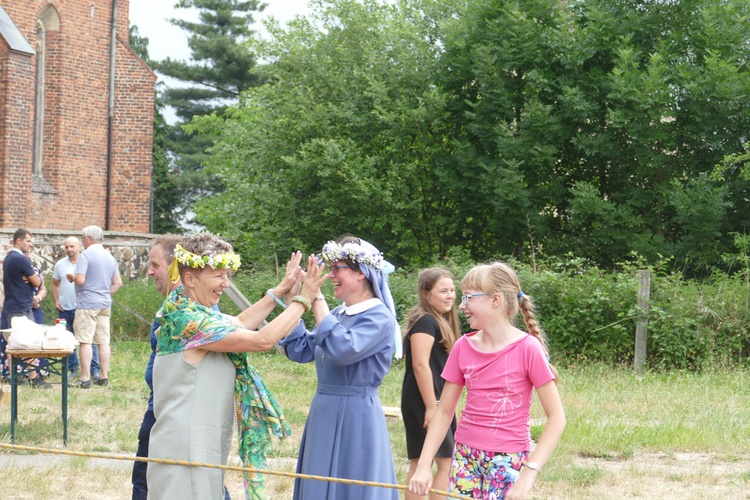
<point>94,232</point>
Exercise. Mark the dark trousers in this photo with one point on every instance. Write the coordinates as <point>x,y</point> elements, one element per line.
<point>140,487</point>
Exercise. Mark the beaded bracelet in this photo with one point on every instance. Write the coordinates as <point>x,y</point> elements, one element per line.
<point>280,302</point>
<point>302,300</point>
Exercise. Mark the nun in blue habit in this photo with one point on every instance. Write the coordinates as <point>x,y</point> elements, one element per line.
<point>345,434</point>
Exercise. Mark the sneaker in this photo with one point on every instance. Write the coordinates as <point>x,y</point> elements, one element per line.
<point>84,385</point>
<point>104,382</point>
<point>40,383</point>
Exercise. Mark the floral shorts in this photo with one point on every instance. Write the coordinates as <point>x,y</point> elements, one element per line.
<point>484,474</point>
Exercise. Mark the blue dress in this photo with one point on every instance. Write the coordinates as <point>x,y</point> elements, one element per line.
<point>346,435</point>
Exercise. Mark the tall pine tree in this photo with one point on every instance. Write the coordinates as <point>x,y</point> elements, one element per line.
<point>220,68</point>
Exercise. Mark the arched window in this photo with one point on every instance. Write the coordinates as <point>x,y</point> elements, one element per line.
<point>48,21</point>
<point>39,101</point>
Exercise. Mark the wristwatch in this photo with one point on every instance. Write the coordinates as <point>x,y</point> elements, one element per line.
<point>320,296</point>
<point>532,466</point>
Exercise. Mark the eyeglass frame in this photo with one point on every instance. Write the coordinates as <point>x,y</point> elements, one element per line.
<point>337,268</point>
<point>466,297</point>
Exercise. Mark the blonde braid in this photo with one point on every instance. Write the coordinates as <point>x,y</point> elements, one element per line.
<point>526,305</point>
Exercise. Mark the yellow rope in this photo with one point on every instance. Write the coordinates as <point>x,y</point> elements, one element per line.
<point>216,466</point>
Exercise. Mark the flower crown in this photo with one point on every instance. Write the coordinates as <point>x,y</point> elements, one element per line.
<point>220,261</point>
<point>332,252</point>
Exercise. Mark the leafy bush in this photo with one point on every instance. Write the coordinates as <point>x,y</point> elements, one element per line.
<point>133,309</point>
<point>589,314</point>
<point>693,325</point>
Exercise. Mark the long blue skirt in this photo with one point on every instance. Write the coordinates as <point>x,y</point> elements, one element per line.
<point>346,437</point>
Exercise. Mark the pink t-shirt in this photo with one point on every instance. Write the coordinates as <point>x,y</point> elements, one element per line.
<point>499,388</point>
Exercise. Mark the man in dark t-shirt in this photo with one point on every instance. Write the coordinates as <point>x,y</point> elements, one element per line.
<point>19,280</point>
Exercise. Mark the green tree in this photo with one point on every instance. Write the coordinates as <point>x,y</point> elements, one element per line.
<point>348,137</point>
<point>426,125</point>
<point>633,99</point>
<point>220,69</point>
<point>165,196</point>
<point>674,109</point>
<point>504,70</point>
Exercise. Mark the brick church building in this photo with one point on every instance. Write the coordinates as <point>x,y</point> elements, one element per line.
<point>76,118</point>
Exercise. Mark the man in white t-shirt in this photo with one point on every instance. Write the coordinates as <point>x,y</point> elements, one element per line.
<point>64,297</point>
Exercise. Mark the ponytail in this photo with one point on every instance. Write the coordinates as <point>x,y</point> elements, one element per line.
<point>526,306</point>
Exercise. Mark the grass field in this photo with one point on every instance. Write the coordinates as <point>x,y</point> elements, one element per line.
<point>663,435</point>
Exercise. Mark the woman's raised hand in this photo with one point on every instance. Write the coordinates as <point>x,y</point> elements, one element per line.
<point>314,278</point>
<point>292,276</point>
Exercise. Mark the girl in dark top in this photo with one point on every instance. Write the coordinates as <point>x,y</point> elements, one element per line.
<point>431,330</point>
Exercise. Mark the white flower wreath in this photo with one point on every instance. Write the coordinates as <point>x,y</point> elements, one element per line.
<point>333,252</point>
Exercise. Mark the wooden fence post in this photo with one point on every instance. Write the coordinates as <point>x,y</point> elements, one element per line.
<point>641,326</point>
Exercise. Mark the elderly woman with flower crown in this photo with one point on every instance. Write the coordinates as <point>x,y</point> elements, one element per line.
<point>201,369</point>
<point>346,434</point>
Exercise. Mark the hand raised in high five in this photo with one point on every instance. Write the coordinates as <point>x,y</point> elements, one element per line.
<point>292,277</point>
<point>314,278</point>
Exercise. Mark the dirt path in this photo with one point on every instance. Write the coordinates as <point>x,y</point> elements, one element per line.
<point>661,476</point>
<point>646,476</point>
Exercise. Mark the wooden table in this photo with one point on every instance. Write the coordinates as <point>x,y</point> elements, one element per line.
<point>58,365</point>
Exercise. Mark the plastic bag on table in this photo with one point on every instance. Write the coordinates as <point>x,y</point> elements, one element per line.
<point>25,334</point>
<point>58,337</point>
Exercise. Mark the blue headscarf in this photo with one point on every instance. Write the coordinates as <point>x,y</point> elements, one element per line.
<point>379,281</point>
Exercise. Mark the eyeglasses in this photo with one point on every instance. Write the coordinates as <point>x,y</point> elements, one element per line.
<point>337,268</point>
<point>465,298</point>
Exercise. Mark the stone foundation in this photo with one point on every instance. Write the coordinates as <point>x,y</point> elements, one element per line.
<point>129,249</point>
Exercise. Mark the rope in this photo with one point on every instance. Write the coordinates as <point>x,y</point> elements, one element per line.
<point>126,308</point>
<point>15,447</point>
<point>613,324</point>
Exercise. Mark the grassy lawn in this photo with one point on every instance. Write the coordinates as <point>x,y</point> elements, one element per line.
<point>664,435</point>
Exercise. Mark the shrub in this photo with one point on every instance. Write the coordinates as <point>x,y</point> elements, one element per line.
<point>133,309</point>
<point>589,314</point>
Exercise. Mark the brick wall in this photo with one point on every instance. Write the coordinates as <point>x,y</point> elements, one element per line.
<point>76,122</point>
<point>4,52</point>
<point>133,134</point>
<point>15,136</point>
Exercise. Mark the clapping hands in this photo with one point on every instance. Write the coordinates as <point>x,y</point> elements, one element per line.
<point>292,279</point>
<point>292,282</point>
<point>313,278</point>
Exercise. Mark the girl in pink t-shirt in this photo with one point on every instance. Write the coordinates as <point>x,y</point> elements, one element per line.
<point>500,366</point>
